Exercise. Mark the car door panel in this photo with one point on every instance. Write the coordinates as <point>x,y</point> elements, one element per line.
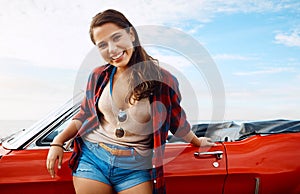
<point>186,173</point>
<point>24,171</point>
<point>264,164</point>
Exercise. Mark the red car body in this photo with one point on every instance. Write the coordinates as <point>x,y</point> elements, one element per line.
<point>259,163</point>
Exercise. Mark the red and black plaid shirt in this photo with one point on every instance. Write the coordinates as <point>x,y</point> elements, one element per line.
<point>167,114</point>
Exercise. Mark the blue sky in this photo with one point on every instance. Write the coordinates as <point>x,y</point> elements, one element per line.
<point>255,46</point>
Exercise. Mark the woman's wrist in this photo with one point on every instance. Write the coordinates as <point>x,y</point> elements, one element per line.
<point>57,142</point>
<point>189,137</point>
<point>196,141</point>
<point>58,145</point>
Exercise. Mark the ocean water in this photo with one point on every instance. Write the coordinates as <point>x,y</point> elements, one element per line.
<point>8,127</point>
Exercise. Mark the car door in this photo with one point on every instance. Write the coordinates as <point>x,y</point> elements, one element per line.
<point>24,171</point>
<point>190,169</point>
<point>264,164</point>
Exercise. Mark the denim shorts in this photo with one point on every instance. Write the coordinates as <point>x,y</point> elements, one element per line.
<point>120,172</point>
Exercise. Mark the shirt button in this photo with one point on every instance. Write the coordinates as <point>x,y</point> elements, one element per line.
<point>154,181</point>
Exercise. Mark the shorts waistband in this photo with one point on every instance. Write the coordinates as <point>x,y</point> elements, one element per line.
<point>118,152</point>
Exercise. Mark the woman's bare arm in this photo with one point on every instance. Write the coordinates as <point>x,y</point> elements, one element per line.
<point>56,152</point>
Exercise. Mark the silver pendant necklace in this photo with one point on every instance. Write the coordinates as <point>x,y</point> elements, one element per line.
<point>122,115</point>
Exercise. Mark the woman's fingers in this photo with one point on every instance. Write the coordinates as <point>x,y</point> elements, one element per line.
<point>59,161</point>
<point>50,167</point>
<point>207,141</point>
<point>210,142</point>
<point>55,153</point>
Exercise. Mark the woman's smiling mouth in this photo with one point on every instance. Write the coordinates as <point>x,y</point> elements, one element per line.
<point>118,56</point>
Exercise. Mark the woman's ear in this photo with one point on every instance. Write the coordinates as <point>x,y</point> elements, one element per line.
<point>132,35</point>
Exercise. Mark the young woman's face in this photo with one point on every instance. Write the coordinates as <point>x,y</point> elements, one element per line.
<point>114,43</point>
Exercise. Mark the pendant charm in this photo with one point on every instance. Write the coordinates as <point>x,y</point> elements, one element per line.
<point>122,116</point>
<point>119,132</point>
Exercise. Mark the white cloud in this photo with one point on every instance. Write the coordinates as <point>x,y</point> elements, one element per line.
<point>55,33</point>
<point>290,40</point>
<point>43,34</point>
<point>265,71</point>
<point>281,101</point>
<point>234,6</point>
<point>233,57</point>
<point>29,92</point>
<point>29,98</point>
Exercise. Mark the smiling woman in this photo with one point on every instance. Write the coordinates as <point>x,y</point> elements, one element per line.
<point>130,105</point>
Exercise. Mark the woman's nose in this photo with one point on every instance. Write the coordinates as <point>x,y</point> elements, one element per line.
<point>112,48</point>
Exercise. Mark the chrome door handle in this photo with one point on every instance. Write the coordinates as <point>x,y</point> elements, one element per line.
<point>217,154</point>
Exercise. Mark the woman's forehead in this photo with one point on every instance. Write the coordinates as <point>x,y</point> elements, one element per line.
<point>105,31</point>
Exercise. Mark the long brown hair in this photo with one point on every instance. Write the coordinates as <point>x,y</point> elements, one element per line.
<point>145,75</point>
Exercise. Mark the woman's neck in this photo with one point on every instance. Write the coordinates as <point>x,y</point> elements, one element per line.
<point>121,72</point>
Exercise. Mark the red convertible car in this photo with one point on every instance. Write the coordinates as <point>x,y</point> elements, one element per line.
<point>253,157</point>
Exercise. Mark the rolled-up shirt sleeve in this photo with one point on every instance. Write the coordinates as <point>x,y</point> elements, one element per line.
<point>84,111</point>
<point>180,127</point>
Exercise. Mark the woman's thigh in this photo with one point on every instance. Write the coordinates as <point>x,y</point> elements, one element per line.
<point>143,188</point>
<point>88,186</point>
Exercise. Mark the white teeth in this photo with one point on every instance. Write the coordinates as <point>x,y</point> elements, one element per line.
<point>118,56</point>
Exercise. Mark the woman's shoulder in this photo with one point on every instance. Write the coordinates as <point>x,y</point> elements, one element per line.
<point>168,77</point>
<point>100,69</point>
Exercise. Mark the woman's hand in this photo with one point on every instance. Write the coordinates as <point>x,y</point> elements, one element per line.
<point>205,141</point>
<point>55,153</point>
<point>198,141</point>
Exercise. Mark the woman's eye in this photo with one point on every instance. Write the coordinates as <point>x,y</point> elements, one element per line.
<point>116,38</point>
<point>101,45</point>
